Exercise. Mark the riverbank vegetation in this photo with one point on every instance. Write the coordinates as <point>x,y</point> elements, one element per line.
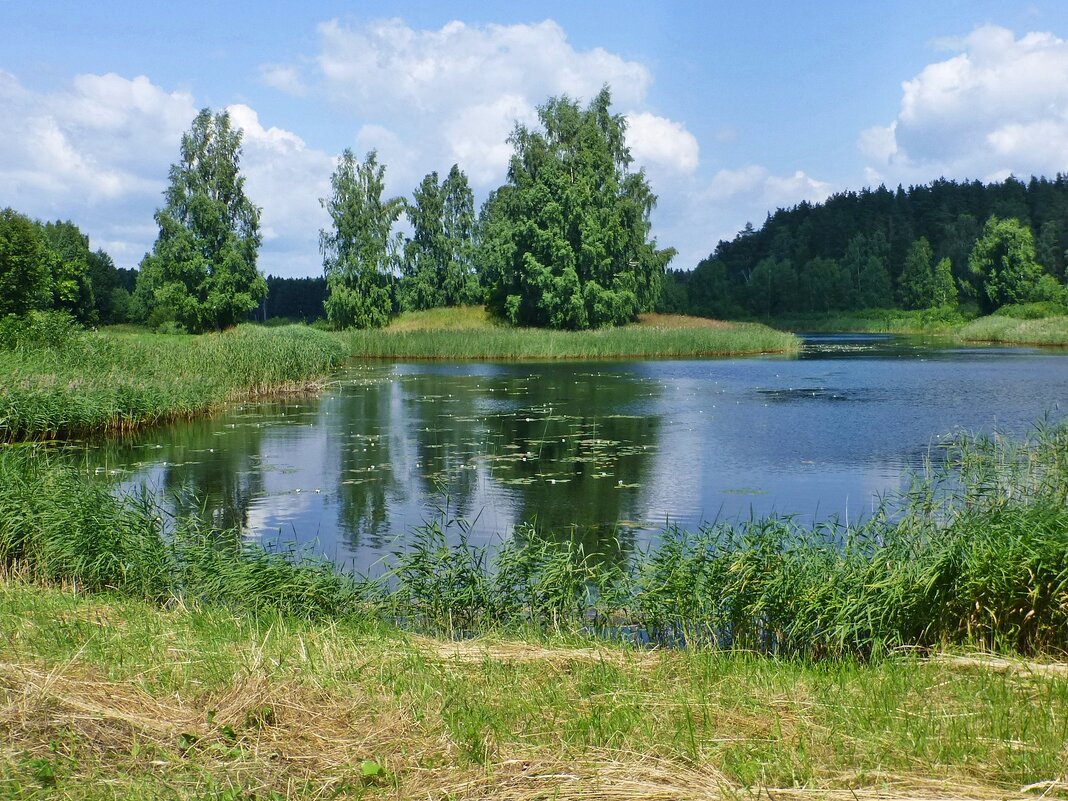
<point>59,380</point>
<point>104,696</point>
<point>472,333</point>
<point>978,558</point>
<point>154,656</point>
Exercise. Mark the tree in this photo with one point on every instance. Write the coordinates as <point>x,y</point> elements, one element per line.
<point>202,269</point>
<point>566,242</point>
<point>25,274</point>
<point>916,287</point>
<point>1003,261</point>
<point>461,280</point>
<point>944,291</point>
<point>360,251</point>
<point>72,288</point>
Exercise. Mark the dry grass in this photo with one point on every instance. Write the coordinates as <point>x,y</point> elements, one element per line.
<point>126,700</point>
<point>654,320</point>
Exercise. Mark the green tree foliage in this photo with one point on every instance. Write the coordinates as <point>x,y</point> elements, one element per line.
<point>438,265</point>
<point>294,298</point>
<point>865,262</point>
<point>566,239</point>
<point>72,287</point>
<point>25,265</point>
<point>944,292</point>
<point>812,236</point>
<point>202,269</point>
<point>360,252</point>
<point>773,285</point>
<point>1003,263</point>
<point>916,286</point>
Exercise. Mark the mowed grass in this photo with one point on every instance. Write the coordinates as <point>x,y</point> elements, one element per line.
<point>467,333</point>
<point>64,381</point>
<point>103,697</point>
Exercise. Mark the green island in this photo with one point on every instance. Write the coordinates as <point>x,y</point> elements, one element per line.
<point>149,652</point>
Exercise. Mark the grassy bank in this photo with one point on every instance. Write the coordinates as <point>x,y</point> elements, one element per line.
<point>978,558</point>
<point>57,380</point>
<point>469,333</point>
<point>1010,330</point>
<point>104,697</point>
<point>873,321</point>
<point>1018,325</point>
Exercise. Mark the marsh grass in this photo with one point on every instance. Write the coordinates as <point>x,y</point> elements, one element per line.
<point>974,555</point>
<point>632,341</point>
<point>60,382</point>
<point>1016,331</point>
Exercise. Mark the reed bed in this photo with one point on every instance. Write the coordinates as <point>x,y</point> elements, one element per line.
<point>633,341</point>
<point>59,381</point>
<point>974,555</point>
<point>1009,330</point>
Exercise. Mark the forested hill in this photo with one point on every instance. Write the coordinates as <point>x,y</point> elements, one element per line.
<point>880,248</point>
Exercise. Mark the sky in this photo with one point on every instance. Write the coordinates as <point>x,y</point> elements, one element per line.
<point>733,109</point>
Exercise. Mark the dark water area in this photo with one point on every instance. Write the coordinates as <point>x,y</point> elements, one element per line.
<point>625,448</point>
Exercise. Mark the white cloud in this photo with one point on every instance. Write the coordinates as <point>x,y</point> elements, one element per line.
<point>98,152</point>
<point>286,178</point>
<point>387,64</point>
<point>663,142</point>
<point>284,78</point>
<point>998,106</point>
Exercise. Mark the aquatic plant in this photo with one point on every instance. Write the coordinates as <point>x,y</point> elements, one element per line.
<point>975,554</point>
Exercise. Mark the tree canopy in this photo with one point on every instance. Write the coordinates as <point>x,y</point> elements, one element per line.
<point>360,251</point>
<point>865,249</point>
<point>202,269</point>
<point>565,242</point>
<point>438,266</point>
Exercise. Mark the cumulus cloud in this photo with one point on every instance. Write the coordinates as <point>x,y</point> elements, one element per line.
<point>454,94</point>
<point>661,142</point>
<point>285,178</point>
<point>998,106</point>
<point>284,78</point>
<point>98,152</point>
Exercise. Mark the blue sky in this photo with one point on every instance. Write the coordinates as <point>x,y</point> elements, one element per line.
<point>735,109</point>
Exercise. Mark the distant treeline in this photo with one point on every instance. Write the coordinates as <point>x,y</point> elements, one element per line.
<point>919,247</point>
<point>48,266</point>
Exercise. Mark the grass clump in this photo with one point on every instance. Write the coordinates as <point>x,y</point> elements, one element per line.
<point>1017,330</point>
<point>943,320</point>
<point>57,380</point>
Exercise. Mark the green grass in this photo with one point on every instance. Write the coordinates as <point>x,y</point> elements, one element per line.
<point>59,381</point>
<point>470,333</point>
<point>977,557</point>
<point>1011,330</point>
<point>1027,324</point>
<point>105,697</point>
<point>874,321</point>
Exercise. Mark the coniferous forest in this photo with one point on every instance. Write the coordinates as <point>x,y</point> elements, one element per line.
<point>881,248</point>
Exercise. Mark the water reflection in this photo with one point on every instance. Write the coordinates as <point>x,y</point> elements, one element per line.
<point>620,447</point>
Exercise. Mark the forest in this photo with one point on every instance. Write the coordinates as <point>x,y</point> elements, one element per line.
<point>928,246</point>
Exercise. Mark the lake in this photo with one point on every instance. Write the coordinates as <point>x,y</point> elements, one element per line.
<point>624,448</point>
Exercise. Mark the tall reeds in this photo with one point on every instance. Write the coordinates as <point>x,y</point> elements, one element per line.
<point>975,554</point>
<point>57,380</point>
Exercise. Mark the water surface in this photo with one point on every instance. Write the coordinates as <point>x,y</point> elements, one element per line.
<point>626,446</point>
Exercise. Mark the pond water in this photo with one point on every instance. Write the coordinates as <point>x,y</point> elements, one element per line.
<point>628,447</point>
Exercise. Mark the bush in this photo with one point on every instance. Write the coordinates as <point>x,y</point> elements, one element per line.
<point>48,329</point>
<point>1032,311</point>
